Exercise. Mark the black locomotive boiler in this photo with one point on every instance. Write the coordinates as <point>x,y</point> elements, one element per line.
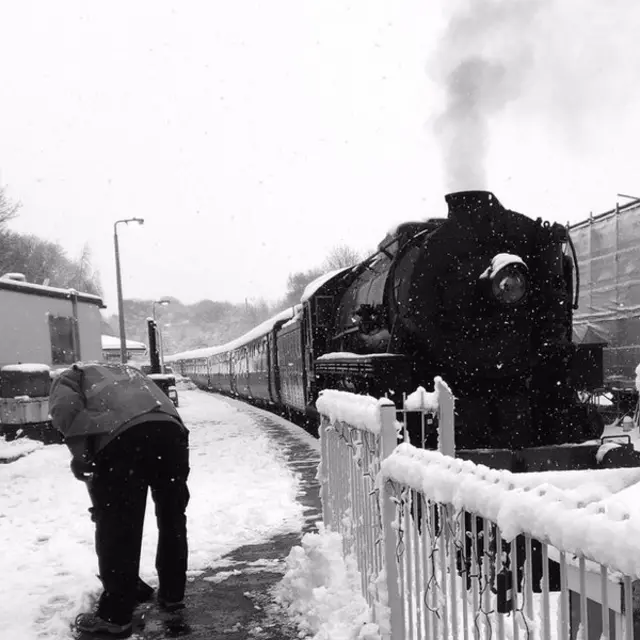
<point>482,298</point>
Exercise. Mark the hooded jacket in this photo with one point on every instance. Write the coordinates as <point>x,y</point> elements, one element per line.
<point>91,404</point>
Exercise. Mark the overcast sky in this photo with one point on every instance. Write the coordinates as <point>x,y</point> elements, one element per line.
<point>254,136</point>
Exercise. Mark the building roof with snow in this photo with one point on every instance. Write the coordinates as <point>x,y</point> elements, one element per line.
<point>17,282</point>
<point>113,343</point>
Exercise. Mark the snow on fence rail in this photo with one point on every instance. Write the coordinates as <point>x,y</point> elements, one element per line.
<point>356,433</point>
<point>450,549</point>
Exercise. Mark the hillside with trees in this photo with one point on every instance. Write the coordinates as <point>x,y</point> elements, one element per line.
<point>191,326</point>
<point>42,261</point>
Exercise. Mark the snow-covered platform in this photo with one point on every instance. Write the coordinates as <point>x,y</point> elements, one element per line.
<point>253,496</point>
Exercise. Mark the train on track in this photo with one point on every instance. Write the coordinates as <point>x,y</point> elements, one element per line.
<point>483,298</point>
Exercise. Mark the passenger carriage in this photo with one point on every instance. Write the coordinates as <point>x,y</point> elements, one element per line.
<point>247,367</point>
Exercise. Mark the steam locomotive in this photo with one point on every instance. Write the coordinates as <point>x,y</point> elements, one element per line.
<point>483,298</point>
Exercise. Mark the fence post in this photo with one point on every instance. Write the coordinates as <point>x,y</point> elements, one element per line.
<point>388,510</point>
<point>446,420</point>
<point>323,471</point>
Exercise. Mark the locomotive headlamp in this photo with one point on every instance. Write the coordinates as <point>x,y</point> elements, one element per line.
<point>509,285</point>
<point>508,275</point>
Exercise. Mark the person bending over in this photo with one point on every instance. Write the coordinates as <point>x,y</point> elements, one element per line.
<point>126,436</point>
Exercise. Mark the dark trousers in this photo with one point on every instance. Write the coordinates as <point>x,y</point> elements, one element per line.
<point>149,455</point>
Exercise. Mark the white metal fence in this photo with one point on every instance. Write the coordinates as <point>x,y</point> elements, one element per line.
<point>353,444</point>
<point>450,549</point>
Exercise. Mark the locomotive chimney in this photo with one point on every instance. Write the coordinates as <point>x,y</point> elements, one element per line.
<point>472,207</point>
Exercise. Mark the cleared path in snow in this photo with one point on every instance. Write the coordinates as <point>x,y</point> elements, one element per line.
<point>232,600</point>
<point>252,487</point>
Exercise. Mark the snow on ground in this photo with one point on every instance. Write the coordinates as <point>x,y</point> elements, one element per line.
<point>15,449</point>
<point>241,490</point>
<point>293,429</point>
<point>321,591</point>
<point>241,493</point>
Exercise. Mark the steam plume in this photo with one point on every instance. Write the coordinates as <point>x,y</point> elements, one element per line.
<point>481,61</point>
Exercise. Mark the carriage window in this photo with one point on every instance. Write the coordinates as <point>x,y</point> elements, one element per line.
<point>62,343</point>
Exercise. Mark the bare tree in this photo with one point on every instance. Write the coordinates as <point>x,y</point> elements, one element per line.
<point>8,209</point>
<point>45,262</point>
<point>83,277</point>
<point>341,256</point>
<point>39,260</point>
<point>257,311</point>
<point>296,284</point>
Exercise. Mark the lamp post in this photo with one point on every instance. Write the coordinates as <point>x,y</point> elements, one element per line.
<point>123,337</point>
<point>164,302</point>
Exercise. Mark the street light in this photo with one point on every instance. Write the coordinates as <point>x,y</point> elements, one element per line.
<point>123,337</point>
<point>163,302</point>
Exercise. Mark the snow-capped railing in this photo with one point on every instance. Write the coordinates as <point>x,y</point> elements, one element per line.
<point>468,535</point>
<point>356,434</point>
<point>450,549</point>
<point>428,405</point>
